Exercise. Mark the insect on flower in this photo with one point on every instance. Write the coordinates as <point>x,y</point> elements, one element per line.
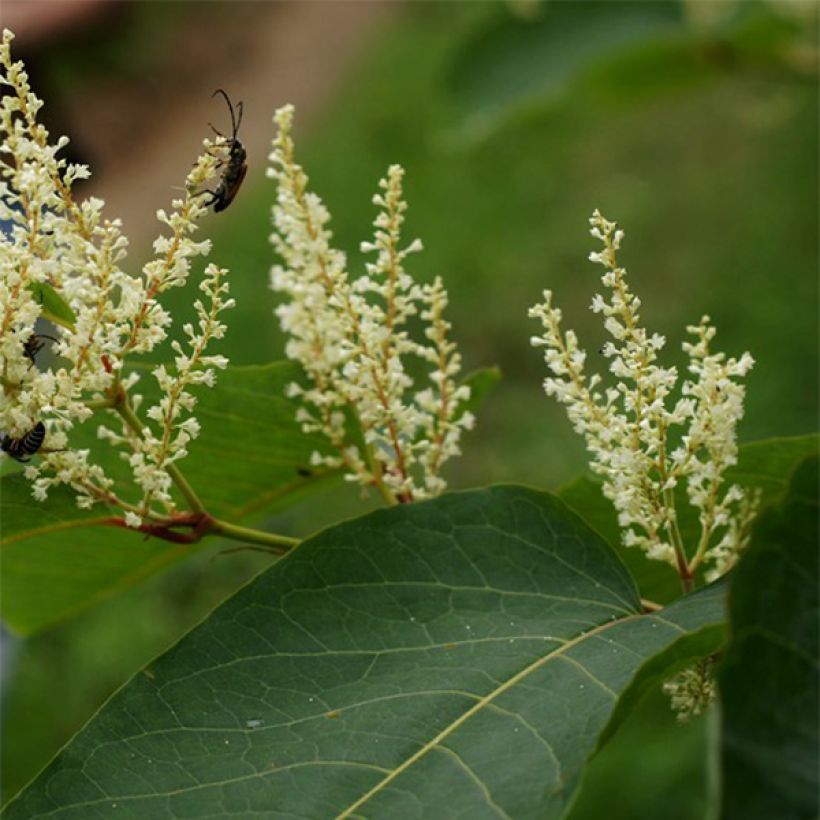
<point>34,345</point>
<point>27,445</point>
<point>235,167</point>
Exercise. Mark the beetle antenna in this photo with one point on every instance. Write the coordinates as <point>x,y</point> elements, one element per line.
<point>230,108</point>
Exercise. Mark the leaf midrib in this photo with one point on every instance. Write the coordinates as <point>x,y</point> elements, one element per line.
<point>479,705</point>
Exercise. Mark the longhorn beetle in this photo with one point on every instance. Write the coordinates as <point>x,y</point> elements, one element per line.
<point>235,167</point>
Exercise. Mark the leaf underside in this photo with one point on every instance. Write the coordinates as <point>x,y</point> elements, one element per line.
<point>454,658</point>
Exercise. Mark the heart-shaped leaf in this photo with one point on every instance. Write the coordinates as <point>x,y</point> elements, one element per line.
<point>459,657</point>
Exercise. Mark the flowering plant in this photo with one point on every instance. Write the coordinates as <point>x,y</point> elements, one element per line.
<point>62,260</point>
<point>471,651</point>
<point>66,253</point>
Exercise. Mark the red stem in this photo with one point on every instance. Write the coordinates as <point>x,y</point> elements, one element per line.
<point>199,523</point>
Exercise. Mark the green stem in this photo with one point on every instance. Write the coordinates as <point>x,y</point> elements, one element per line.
<point>704,543</point>
<point>212,526</point>
<point>374,465</point>
<point>100,404</point>
<point>185,488</point>
<point>707,530</point>
<point>387,493</point>
<point>686,579</point>
<point>280,543</point>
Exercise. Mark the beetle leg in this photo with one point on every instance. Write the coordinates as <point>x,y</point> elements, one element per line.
<point>214,196</point>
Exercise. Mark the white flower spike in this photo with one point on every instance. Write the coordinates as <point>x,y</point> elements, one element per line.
<point>352,339</point>
<point>628,427</point>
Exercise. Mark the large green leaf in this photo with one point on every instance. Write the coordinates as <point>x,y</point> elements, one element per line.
<point>769,679</point>
<point>454,658</point>
<point>766,465</point>
<point>251,454</point>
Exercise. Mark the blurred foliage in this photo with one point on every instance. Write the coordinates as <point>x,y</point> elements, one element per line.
<point>700,138</point>
<point>653,767</point>
<point>770,741</point>
<point>514,62</point>
<point>714,185</point>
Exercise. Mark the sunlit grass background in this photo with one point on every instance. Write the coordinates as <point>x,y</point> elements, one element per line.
<point>694,125</point>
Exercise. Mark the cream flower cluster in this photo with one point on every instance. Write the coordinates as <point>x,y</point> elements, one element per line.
<point>630,428</point>
<point>692,690</point>
<point>351,337</point>
<point>64,250</point>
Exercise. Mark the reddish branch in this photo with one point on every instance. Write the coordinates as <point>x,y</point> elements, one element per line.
<point>197,524</point>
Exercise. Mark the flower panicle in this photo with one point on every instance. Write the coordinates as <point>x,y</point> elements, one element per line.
<point>65,245</point>
<point>629,427</point>
<point>351,337</point>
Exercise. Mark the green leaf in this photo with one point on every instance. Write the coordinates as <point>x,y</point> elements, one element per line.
<point>55,308</point>
<point>458,657</point>
<point>250,458</point>
<point>655,767</point>
<point>769,678</point>
<point>673,659</point>
<point>766,465</point>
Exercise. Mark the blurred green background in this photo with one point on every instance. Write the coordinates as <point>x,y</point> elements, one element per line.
<point>695,125</point>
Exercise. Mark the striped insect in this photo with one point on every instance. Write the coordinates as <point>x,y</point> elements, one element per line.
<point>34,345</point>
<point>21,449</point>
<point>235,166</point>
